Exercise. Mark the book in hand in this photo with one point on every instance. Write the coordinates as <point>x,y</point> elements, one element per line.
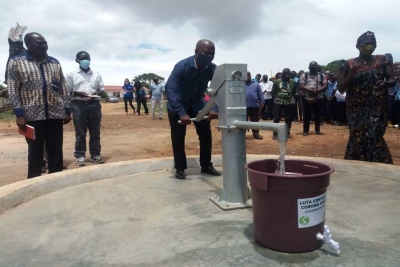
<point>29,132</point>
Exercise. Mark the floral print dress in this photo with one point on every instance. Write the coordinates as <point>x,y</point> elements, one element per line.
<point>367,112</point>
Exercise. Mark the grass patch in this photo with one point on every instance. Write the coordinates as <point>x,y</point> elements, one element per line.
<point>7,116</point>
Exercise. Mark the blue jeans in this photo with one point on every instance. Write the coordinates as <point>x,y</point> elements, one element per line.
<point>87,115</point>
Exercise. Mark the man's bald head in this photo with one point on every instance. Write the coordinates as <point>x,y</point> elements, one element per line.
<point>204,53</point>
<point>204,42</point>
<point>32,36</point>
<point>36,45</point>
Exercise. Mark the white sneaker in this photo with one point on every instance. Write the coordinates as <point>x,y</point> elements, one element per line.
<point>97,160</point>
<point>396,126</point>
<point>81,161</point>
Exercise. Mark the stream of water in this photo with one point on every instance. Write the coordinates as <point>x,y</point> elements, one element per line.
<point>281,161</point>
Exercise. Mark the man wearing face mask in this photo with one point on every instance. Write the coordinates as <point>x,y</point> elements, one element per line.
<point>254,102</point>
<point>266,88</point>
<point>313,86</point>
<point>86,85</point>
<point>185,88</point>
<point>39,95</point>
<point>156,90</point>
<point>283,92</point>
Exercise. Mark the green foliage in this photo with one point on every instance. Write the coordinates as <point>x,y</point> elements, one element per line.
<point>2,87</point>
<point>7,116</point>
<point>103,94</point>
<point>147,78</point>
<point>332,67</point>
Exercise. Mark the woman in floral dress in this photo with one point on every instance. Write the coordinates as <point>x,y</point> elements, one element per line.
<point>366,79</point>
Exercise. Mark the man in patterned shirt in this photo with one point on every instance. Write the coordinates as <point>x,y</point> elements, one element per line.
<point>39,96</point>
<point>283,92</point>
<point>185,89</point>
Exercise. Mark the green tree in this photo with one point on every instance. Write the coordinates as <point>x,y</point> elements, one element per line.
<point>147,78</point>
<point>332,66</point>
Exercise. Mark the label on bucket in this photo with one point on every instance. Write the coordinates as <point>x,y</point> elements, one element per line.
<point>311,211</point>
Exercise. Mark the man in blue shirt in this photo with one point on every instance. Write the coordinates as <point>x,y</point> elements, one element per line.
<point>185,88</point>
<point>254,100</point>
<point>156,99</point>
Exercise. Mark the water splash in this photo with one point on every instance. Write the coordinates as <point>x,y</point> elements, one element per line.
<point>281,162</point>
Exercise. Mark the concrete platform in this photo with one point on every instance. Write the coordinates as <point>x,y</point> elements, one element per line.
<point>152,219</point>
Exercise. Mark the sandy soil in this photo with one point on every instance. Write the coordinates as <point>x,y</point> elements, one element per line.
<point>139,137</point>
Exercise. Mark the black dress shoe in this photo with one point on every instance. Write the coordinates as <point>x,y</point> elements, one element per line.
<point>210,170</point>
<point>180,174</point>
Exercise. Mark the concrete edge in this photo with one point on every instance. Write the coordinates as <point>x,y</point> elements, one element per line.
<point>17,193</point>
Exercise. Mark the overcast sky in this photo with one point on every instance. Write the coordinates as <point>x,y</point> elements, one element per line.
<point>126,38</point>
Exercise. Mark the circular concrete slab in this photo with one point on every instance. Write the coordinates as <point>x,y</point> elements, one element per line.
<point>152,219</point>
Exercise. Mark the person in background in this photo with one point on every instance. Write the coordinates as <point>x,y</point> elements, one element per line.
<point>396,104</point>
<point>331,99</point>
<point>299,94</point>
<point>340,109</point>
<point>366,79</point>
<point>86,85</point>
<point>283,92</point>
<point>140,97</point>
<point>40,98</point>
<point>313,85</point>
<point>254,100</point>
<point>156,90</point>
<point>266,88</point>
<point>278,76</point>
<point>185,89</point>
<point>258,78</point>
<point>390,95</point>
<point>293,76</point>
<point>128,95</point>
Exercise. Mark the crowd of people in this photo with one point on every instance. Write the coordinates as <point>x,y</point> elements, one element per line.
<point>141,94</point>
<point>359,95</point>
<point>364,94</point>
<point>308,97</point>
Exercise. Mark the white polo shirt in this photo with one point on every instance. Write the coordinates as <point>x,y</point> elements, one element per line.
<point>89,83</point>
<point>266,88</point>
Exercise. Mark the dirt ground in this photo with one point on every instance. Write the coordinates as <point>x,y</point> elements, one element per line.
<point>139,137</point>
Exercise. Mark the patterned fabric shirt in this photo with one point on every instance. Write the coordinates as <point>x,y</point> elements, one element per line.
<point>285,97</point>
<point>314,82</point>
<point>186,85</point>
<point>37,89</point>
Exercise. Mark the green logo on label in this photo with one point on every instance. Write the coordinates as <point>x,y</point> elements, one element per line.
<point>304,220</point>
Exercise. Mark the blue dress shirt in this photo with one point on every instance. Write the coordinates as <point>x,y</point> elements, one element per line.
<point>186,86</point>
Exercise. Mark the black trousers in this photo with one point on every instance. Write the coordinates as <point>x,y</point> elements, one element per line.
<point>141,100</point>
<point>267,110</point>
<point>308,108</point>
<point>324,108</point>
<point>396,112</point>
<point>295,109</point>
<point>288,114</point>
<point>330,113</point>
<point>178,133</point>
<point>49,132</point>
<point>126,100</point>
<point>253,114</point>
<point>341,112</point>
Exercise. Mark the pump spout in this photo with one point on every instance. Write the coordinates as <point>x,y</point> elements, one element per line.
<point>280,128</point>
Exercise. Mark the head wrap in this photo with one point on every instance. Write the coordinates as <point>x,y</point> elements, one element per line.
<point>365,36</point>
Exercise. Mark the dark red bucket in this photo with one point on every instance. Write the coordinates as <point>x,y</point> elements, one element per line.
<point>289,210</point>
